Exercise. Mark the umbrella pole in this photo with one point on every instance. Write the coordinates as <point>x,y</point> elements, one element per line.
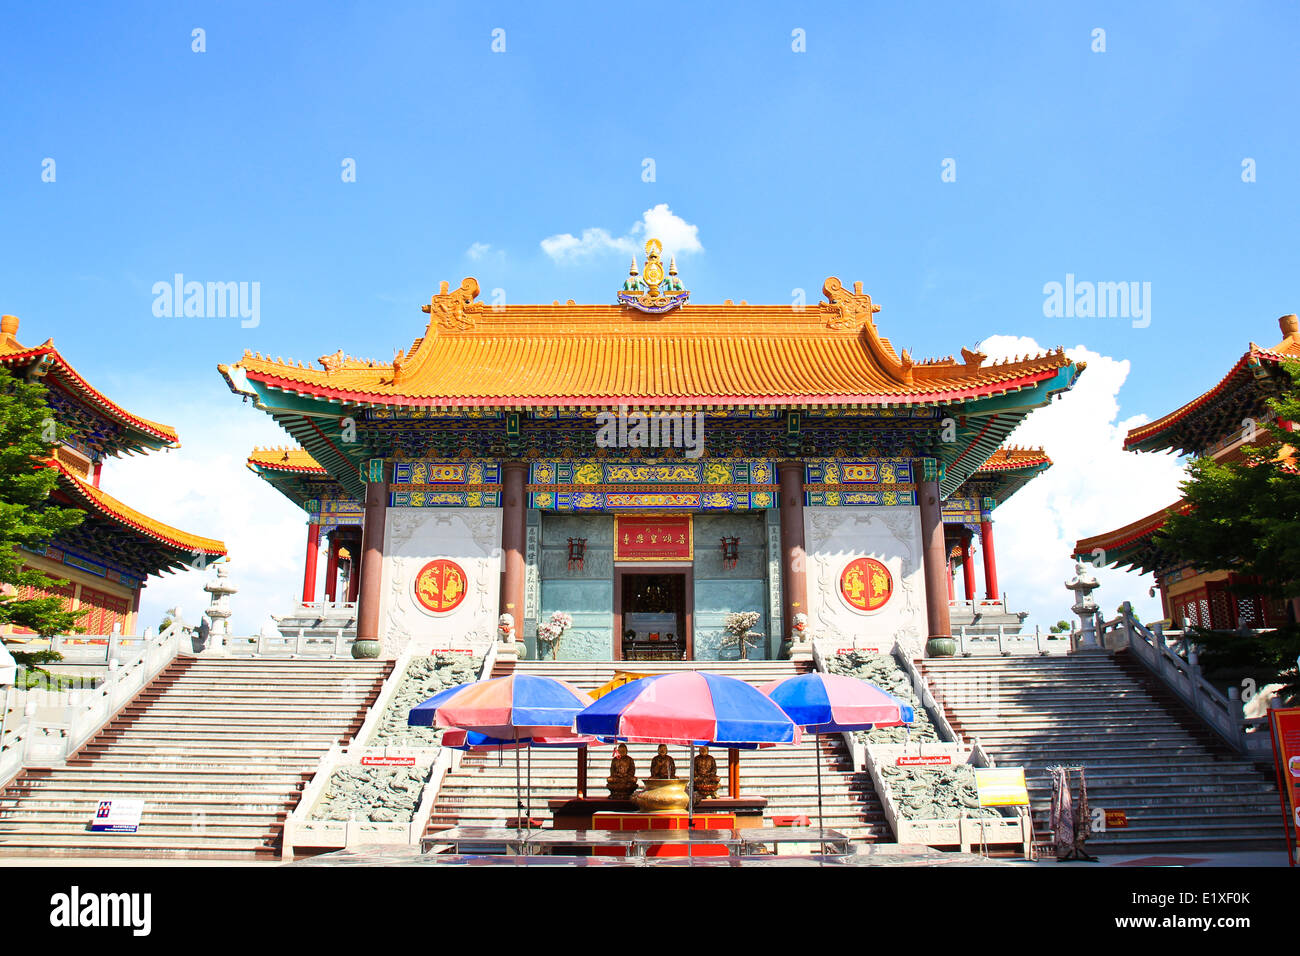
<point>817,757</point>
<point>690,806</point>
<point>519,802</point>
<point>529,796</point>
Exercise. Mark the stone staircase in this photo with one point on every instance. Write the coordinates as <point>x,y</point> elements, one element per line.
<point>482,791</point>
<point>218,748</point>
<point>1182,789</point>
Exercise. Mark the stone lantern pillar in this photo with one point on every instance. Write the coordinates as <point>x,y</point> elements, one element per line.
<point>1083,584</point>
<point>218,611</point>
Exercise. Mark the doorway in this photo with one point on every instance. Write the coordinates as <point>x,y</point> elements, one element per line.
<point>653,615</point>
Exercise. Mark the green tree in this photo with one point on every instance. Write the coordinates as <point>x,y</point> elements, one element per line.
<point>1060,627</point>
<point>28,435</point>
<point>1245,517</point>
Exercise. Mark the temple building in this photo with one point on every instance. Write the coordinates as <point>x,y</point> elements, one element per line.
<point>648,467</point>
<point>107,559</point>
<point>1215,423</point>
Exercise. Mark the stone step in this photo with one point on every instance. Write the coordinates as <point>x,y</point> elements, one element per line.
<point>187,846</point>
<point>123,749</point>
<point>197,765</point>
<point>258,831</point>
<point>219,736</point>
<point>209,803</point>
<point>81,775</point>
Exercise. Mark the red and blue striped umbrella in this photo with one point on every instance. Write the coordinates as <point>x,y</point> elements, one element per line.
<point>517,706</point>
<point>688,707</point>
<point>830,703</point>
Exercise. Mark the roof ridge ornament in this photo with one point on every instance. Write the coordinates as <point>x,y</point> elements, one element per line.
<point>455,310</point>
<point>654,292</point>
<point>847,310</point>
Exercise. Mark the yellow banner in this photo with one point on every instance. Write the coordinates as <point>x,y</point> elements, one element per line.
<point>1002,787</point>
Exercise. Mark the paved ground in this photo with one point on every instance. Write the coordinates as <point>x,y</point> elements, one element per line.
<point>881,855</point>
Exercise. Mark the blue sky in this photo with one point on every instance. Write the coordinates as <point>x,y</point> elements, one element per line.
<point>225,165</point>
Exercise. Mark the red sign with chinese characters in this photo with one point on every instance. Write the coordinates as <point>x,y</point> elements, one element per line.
<point>926,760</point>
<point>440,585</point>
<point>866,584</point>
<point>653,538</point>
<point>1285,725</point>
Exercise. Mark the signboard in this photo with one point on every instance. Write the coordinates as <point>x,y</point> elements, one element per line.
<point>1284,724</point>
<point>653,538</point>
<point>866,584</point>
<point>440,586</point>
<point>388,761</point>
<point>1001,787</point>
<point>117,815</point>
<point>1116,820</point>
<point>933,760</point>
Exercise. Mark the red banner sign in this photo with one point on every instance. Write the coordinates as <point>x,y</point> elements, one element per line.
<point>653,538</point>
<point>388,761</point>
<point>933,760</point>
<point>1285,727</point>
<point>1116,820</point>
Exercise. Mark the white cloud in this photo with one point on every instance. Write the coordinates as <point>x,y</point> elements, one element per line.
<point>678,236</point>
<point>1093,486</point>
<point>205,488</point>
<point>478,250</point>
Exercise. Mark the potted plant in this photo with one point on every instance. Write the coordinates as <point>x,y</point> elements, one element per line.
<point>550,633</point>
<point>739,631</point>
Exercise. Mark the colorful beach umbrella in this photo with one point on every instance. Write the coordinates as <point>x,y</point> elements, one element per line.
<point>688,707</point>
<point>833,703</point>
<point>830,703</point>
<point>517,706</point>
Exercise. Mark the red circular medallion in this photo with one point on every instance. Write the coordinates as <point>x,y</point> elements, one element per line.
<point>866,584</point>
<point>440,585</point>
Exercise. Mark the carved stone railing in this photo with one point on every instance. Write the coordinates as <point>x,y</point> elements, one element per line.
<point>1182,674</point>
<point>1009,639</point>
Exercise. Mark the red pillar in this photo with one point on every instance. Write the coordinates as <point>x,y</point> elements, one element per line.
<point>332,568</point>
<point>94,475</point>
<point>935,552</point>
<point>990,559</point>
<point>309,565</point>
<point>794,561</point>
<point>368,643</point>
<point>952,592</point>
<point>967,566</point>
<point>513,533</point>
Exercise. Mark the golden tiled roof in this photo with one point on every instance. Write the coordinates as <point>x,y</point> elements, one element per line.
<point>1011,457</point>
<point>473,354</point>
<point>105,504</point>
<point>1286,350</point>
<point>285,459</point>
<point>13,353</point>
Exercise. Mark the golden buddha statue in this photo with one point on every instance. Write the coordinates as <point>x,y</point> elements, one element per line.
<point>705,774</point>
<point>663,767</point>
<point>622,775</point>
